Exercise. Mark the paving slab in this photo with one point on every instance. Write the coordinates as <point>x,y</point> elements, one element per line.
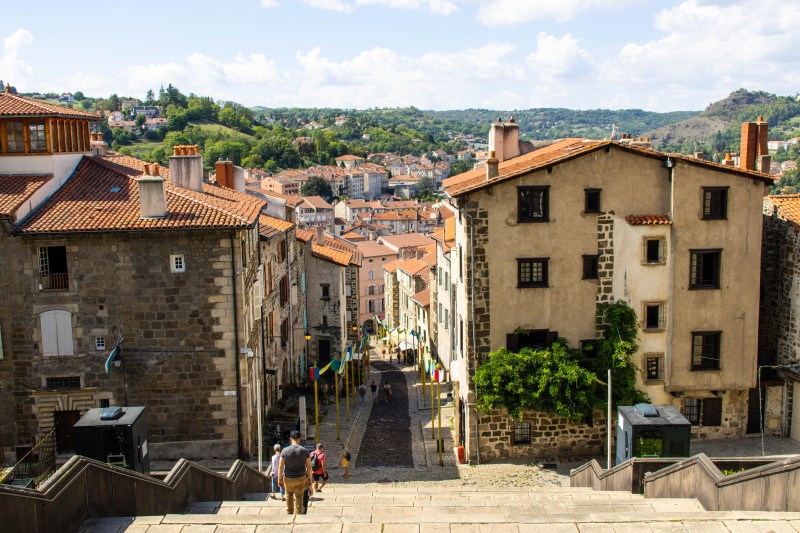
<point>236,529</point>
<point>199,528</point>
<point>361,528</point>
<point>750,526</point>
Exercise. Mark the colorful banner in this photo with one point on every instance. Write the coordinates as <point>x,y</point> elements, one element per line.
<point>313,373</point>
<point>111,356</point>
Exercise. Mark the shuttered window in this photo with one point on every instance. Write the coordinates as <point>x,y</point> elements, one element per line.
<point>712,412</point>
<point>56,333</point>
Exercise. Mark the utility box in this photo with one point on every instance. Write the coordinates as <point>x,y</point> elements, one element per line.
<point>646,430</point>
<point>114,435</point>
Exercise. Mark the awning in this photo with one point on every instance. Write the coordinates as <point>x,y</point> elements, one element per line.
<point>406,345</point>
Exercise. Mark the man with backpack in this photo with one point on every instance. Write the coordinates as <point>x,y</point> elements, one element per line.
<point>319,468</point>
<point>295,473</point>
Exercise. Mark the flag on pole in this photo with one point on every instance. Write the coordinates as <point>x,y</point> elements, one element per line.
<point>325,368</point>
<point>335,365</point>
<point>113,354</point>
<point>313,373</point>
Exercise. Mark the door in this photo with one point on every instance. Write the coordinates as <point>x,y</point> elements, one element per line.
<point>755,410</point>
<point>64,420</point>
<point>324,353</point>
<point>461,423</point>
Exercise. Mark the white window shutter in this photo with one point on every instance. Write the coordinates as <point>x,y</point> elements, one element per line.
<point>64,332</point>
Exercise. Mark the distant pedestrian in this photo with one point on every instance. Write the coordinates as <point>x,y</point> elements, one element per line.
<point>387,392</point>
<point>294,474</point>
<point>276,459</point>
<point>320,473</point>
<point>398,356</point>
<point>345,455</point>
<point>362,391</point>
<point>325,389</point>
<point>374,389</point>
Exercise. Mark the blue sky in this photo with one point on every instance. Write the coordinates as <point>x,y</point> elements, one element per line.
<point>433,54</point>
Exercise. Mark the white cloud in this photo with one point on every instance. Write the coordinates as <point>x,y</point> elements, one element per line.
<point>440,7</point>
<point>329,5</point>
<point>14,70</point>
<point>516,12</point>
<point>269,4</point>
<point>559,58</point>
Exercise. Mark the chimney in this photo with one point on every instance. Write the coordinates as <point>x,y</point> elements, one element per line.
<point>320,235</point>
<point>699,155</point>
<point>492,166</point>
<point>504,139</point>
<point>224,171</point>
<point>762,152</point>
<point>728,162</point>
<point>747,151</point>
<point>186,168</point>
<point>97,145</point>
<point>152,194</point>
<point>237,183</point>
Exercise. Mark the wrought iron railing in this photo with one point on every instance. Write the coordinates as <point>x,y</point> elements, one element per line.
<point>35,466</point>
<point>55,282</point>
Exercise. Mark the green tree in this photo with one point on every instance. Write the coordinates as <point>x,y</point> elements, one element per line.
<point>177,118</point>
<point>316,186</point>
<point>425,189</point>
<point>150,97</point>
<point>78,95</point>
<point>140,120</point>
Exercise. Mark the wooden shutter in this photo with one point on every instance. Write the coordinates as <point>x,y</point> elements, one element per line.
<point>712,412</point>
<point>56,327</point>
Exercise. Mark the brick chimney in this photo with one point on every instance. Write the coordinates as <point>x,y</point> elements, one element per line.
<point>749,145</point>
<point>152,193</point>
<point>504,139</point>
<point>186,168</point>
<point>97,145</point>
<point>492,166</point>
<point>224,170</point>
<point>728,162</point>
<point>763,159</point>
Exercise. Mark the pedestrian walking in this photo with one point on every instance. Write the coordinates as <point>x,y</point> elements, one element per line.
<point>319,467</point>
<point>398,356</point>
<point>276,459</point>
<point>362,391</point>
<point>345,455</point>
<point>374,389</point>
<point>295,474</point>
<point>325,389</point>
<point>387,392</point>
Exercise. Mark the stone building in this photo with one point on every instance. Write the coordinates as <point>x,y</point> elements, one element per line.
<point>442,296</point>
<point>553,233</point>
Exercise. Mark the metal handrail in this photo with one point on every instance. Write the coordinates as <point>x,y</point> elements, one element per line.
<point>36,466</point>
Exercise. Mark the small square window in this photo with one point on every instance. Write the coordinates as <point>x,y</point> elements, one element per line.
<point>177,263</point>
<point>100,343</point>
<point>532,204</point>
<point>705,269</point>
<point>653,367</point>
<point>590,270</point>
<point>715,203</point>
<point>522,432</point>
<point>654,250</point>
<point>105,403</point>
<point>592,201</point>
<point>532,272</point>
<point>326,292</point>
<point>654,316</point>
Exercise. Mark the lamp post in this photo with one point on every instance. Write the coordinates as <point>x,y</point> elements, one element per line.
<point>308,338</point>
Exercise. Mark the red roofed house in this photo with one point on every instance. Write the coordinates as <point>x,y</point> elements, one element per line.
<point>315,211</point>
<point>370,285</point>
<point>543,238</point>
<point>97,249</point>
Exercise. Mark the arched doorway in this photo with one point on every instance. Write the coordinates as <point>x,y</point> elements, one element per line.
<point>369,326</point>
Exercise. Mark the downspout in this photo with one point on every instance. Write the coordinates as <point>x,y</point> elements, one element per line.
<point>291,321</point>
<point>472,313</point>
<point>263,340</point>
<point>236,352</point>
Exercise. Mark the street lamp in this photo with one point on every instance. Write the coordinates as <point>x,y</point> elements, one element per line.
<point>308,338</point>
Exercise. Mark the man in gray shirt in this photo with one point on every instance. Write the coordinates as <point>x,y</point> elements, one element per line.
<point>294,474</point>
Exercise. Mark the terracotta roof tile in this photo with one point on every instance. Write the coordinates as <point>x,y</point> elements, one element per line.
<point>12,105</point>
<point>15,190</point>
<point>423,298</point>
<point>270,226</point>
<point>391,266</point>
<point>414,267</point>
<point>788,206</point>
<point>317,202</point>
<point>103,196</point>
<point>406,240</point>
<point>374,249</point>
<point>331,254</point>
<point>648,220</point>
<point>304,235</point>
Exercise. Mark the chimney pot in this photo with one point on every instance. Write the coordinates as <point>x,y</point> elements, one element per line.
<point>186,171</point>
<point>152,197</point>
<point>749,146</point>
<point>492,166</point>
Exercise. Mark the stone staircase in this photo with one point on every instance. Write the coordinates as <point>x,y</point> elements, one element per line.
<point>376,508</point>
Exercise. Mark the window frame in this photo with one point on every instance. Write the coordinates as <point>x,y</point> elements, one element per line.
<point>521,433</point>
<point>662,250</point>
<point>522,208</point>
<point>177,263</point>
<point>591,266</point>
<point>696,284</point>
<point>661,322</point>
<point>100,344</point>
<point>706,362</point>
<point>587,195</point>
<point>543,262</point>
<point>325,288</point>
<point>659,367</point>
<point>721,211</point>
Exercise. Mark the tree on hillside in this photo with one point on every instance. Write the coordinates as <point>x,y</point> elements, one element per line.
<point>425,187</point>
<point>78,95</point>
<point>140,120</point>
<point>150,97</point>
<point>317,186</point>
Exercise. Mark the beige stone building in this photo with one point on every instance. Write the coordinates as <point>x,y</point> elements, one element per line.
<point>370,281</point>
<point>542,238</point>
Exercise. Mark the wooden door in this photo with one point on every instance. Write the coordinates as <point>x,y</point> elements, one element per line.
<point>64,420</point>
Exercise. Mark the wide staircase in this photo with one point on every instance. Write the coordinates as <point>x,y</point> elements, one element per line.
<point>376,508</point>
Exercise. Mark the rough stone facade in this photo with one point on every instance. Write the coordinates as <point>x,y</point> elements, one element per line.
<point>477,268</point>
<point>326,314</point>
<point>551,438</point>
<point>179,356</point>
<point>351,302</point>
<point>605,265</point>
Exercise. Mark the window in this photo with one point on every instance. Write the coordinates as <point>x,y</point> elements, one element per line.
<point>100,343</point>
<point>104,403</point>
<point>53,268</point>
<point>652,367</point>
<point>326,292</point>
<point>590,266</point>
<point>522,432</point>
<point>36,138</point>
<point>281,251</point>
<point>371,261</point>
<point>15,137</point>
<point>705,412</point>
<point>532,272</point>
<point>177,264</point>
<point>715,203</point>
<point>691,410</point>
<point>371,306</point>
<point>64,382</point>
<point>56,327</point>
<point>654,316</point>
<point>371,290</point>
<point>270,328</point>
<point>705,265</point>
<point>532,204</point>
<point>589,347</point>
<point>592,201</point>
<point>370,274</point>
<point>285,332</point>
<point>654,250</point>
<point>324,320</point>
<point>284,287</point>
<point>705,350</point>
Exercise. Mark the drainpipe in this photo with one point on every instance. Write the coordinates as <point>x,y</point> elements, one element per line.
<point>291,322</point>
<point>236,352</point>
<point>472,312</point>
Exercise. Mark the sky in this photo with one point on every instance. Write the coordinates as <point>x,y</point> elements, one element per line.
<point>657,55</point>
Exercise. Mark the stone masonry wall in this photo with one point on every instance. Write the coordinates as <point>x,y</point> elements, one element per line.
<point>352,301</point>
<point>605,265</point>
<point>477,272</point>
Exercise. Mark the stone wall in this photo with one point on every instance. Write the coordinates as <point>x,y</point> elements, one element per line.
<point>477,269</point>
<point>552,438</point>
<point>351,302</point>
<point>605,266</point>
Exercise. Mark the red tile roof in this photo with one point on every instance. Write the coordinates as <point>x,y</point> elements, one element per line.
<point>270,226</point>
<point>332,255</point>
<point>406,240</point>
<point>648,220</point>
<point>373,249</point>
<point>317,202</point>
<point>566,150</point>
<point>423,298</point>
<point>788,206</point>
<point>15,190</point>
<point>392,265</point>
<point>414,267</point>
<point>12,105</point>
<point>102,195</point>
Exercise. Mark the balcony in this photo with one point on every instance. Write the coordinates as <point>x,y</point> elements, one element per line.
<point>55,282</point>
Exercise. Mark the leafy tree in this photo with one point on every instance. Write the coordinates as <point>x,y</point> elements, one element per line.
<point>140,120</point>
<point>425,187</point>
<point>150,97</point>
<point>78,95</point>
<point>225,149</point>
<point>177,117</point>
<point>316,186</point>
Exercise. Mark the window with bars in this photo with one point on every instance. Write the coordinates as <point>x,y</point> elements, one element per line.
<point>64,382</point>
<point>533,204</point>
<point>522,432</point>
<point>590,267</point>
<point>104,403</point>
<point>653,367</point>
<point>706,350</point>
<point>703,412</point>
<point>36,137</point>
<point>715,203</point>
<point>532,272</point>
<point>705,269</point>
